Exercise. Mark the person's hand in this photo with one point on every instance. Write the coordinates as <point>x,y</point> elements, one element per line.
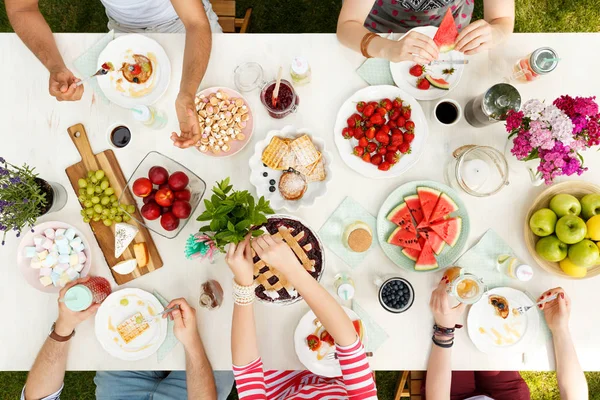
<point>557,311</point>
<point>62,85</point>
<point>476,37</point>
<point>239,259</point>
<point>67,319</point>
<point>443,314</point>
<point>278,254</point>
<point>413,46</point>
<point>188,122</point>
<point>186,326</point>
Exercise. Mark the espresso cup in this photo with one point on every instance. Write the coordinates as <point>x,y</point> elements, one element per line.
<point>447,112</point>
<point>111,140</point>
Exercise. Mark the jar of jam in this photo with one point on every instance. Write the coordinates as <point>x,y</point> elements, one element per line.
<point>287,99</point>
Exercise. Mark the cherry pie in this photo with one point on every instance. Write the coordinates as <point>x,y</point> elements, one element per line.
<point>272,285</point>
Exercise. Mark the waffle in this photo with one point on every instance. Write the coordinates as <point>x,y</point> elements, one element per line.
<point>275,152</point>
<point>132,327</point>
<point>305,150</point>
<point>314,172</point>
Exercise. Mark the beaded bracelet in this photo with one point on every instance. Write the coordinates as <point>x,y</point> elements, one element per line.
<point>243,295</point>
<point>442,343</point>
<point>444,330</point>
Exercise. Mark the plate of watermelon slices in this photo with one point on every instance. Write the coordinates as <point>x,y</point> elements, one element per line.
<point>423,226</point>
<point>441,78</point>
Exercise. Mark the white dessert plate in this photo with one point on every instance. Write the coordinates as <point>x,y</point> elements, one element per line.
<point>405,81</point>
<point>32,275</point>
<point>118,307</point>
<point>314,190</point>
<point>491,333</point>
<point>346,146</point>
<point>126,94</point>
<point>324,367</point>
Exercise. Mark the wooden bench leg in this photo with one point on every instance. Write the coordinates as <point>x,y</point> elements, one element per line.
<point>401,391</point>
<point>244,23</point>
<point>416,380</point>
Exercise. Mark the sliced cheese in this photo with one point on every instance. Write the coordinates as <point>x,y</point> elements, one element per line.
<point>125,267</point>
<point>124,235</point>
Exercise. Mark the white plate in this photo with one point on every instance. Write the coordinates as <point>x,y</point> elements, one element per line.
<point>314,189</point>
<point>119,51</point>
<point>405,81</point>
<point>32,275</point>
<point>328,368</point>
<point>112,313</point>
<point>346,146</point>
<point>482,319</point>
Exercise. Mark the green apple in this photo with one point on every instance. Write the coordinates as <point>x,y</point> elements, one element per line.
<point>590,205</point>
<point>551,249</point>
<point>571,229</point>
<point>584,253</point>
<point>542,222</point>
<point>565,204</point>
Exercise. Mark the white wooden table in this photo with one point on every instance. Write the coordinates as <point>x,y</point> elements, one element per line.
<point>34,131</point>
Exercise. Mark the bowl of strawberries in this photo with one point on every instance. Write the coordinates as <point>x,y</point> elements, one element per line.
<point>380,131</point>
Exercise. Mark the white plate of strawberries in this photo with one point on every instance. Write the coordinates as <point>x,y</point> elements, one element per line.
<point>380,131</point>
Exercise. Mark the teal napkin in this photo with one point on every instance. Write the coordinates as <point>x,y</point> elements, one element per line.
<point>87,64</point>
<point>170,341</point>
<point>376,71</point>
<point>375,333</point>
<point>331,232</point>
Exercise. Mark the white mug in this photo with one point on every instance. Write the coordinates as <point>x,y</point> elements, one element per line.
<point>459,112</point>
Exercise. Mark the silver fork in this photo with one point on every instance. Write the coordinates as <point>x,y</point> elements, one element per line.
<point>523,309</point>
<point>101,71</point>
<point>151,318</point>
<point>334,356</point>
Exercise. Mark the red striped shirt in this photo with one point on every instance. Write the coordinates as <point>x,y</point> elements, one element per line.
<point>356,382</point>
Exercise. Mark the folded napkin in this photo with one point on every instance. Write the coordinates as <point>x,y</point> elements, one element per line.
<point>332,231</point>
<point>376,71</point>
<point>87,64</point>
<point>170,341</point>
<point>376,336</point>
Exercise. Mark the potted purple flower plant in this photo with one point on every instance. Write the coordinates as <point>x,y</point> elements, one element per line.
<point>24,197</point>
<point>554,134</point>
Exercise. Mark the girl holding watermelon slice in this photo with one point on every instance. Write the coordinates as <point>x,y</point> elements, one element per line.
<point>442,383</point>
<point>360,20</point>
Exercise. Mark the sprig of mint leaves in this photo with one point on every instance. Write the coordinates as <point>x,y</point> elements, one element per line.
<point>233,214</point>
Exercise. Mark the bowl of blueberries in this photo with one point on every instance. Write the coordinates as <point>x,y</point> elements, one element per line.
<point>396,294</point>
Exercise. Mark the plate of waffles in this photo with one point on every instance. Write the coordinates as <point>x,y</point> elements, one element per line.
<point>139,71</point>
<point>320,361</point>
<point>291,168</point>
<point>272,287</point>
<point>122,326</point>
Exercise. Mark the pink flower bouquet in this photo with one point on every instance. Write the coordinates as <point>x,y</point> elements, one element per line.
<point>555,134</point>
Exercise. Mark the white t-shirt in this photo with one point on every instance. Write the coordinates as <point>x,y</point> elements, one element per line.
<point>144,13</point>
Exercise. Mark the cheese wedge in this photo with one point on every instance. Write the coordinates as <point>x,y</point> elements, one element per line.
<point>141,254</point>
<point>125,267</point>
<point>124,235</point>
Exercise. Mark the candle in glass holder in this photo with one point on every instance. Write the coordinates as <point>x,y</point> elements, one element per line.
<point>475,173</point>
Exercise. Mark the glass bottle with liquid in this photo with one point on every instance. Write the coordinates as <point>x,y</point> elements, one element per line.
<point>344,286</point>
<point>512,267</point>
<point>149,116</point>
<point>211,295</point>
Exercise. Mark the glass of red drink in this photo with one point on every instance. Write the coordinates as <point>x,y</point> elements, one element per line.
<point>287,100</point>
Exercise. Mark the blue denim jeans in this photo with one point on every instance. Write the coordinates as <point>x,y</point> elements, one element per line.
<point>152,385</point>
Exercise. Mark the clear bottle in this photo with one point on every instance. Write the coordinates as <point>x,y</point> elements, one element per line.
<point>512,267</point>
<point>149,116</point>
<point>344,286</point>
<point>211,295</point>
<point>80,297</point>
<point>300,71</point>
<point>539,62</point>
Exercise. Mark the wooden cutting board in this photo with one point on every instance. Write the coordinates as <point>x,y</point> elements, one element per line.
<point>105,236</point>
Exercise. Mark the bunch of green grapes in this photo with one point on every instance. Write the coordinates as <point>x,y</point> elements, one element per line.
<point>99,200</point>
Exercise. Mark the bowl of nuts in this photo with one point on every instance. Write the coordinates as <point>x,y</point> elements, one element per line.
<point>225,121</point>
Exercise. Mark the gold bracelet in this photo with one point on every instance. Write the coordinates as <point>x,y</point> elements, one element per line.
<point>364,43</point>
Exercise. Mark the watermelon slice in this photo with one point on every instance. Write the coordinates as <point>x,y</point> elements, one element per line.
<point>401,217</point>
<point>444,206</point>
<point>448,229</point>
<point>412,253</point>
<point>439,83</point>
<point>446,35</point>
<point>426,260</point>
<point>423,225</point>
<point>414,205</point>
<point>436,242</point>
<point>403,238</point>
<point>428,198</point>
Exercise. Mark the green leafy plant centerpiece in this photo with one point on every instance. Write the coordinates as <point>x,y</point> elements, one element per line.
<point>232,215</point>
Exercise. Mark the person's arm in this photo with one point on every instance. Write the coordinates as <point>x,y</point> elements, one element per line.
<point>48,371</point>
<point>198,372</point>
<point>198,43</point>
<point>32,28</point>
<point>495,28</point>
<point>439,368</point>
<point>571,380</point>
<point>351,30</point>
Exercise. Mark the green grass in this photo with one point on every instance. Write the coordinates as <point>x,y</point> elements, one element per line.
<point>280,16</point>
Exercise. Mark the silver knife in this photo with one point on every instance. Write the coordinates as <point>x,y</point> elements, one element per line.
<point>451,62</point>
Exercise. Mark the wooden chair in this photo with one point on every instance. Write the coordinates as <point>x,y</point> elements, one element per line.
<point>409,385</point>
<point>225,10</point>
